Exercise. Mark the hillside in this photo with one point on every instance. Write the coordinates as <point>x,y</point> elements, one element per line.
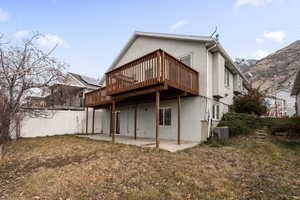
<point>277,70</point>
<point>244,64</point>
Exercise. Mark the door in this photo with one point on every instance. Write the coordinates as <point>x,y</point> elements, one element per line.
<point>118,123</point>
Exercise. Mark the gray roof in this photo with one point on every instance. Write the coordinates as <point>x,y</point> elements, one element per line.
<point>85,79</point>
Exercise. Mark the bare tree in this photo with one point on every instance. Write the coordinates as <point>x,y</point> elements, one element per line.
<point>23,70</point>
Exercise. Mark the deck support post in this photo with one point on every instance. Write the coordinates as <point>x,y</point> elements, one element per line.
<point>87,120</point>
<point>93,122</point>
<point>110,121</point>
<point>135,120</point>
<point>157,105</point>
<point>113,121</point>
<point>178,119</point>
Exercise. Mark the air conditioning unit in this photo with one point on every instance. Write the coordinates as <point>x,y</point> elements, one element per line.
<point>221,133</point>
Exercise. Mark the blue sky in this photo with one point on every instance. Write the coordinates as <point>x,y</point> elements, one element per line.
<point>91,33</point>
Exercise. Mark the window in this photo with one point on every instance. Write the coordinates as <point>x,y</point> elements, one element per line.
<point>186,60</point>
<point>227,78</point>
<point>165,116</point>
<point>216,111</point>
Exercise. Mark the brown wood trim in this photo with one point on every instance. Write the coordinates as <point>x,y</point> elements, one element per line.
<point>113,121</point>
<point>141,92</point>
<point>93,121</point>
<point>135,60</point>
<point>178,119</point>
<point>153,69</point>
<point>181,62</point>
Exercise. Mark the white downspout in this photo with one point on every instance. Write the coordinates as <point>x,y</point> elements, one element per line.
<point>208,103</point>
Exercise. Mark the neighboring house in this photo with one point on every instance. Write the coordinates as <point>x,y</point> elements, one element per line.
<point>296,92</point>
<point>277,107</point>
<point>67,94</point>
<point>167,86</point>
<point>280,104</point>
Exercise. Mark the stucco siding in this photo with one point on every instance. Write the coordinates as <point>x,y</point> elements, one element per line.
<point>195,111</point>
<point>289,102</point>
<point>218,75</point>
<point>191,109</point>
<point>177,48</point>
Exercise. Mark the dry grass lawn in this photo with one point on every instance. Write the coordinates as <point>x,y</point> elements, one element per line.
<point>68,167</point>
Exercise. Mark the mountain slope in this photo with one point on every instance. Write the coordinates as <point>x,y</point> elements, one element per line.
<point>278,70</point>
<point>245,64</point>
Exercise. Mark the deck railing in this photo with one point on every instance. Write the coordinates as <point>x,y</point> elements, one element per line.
<point>97,97</point>
<point>151,69</point>
<point>154,68</point>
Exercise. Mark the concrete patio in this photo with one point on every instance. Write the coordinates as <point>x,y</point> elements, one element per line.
<point>169,145</point>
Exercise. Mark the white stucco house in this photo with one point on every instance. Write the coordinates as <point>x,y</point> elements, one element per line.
<point>280,103</point>
<point>167,86</point>
<point>296,92</point>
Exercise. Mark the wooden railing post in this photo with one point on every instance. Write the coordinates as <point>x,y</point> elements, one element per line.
<point>163,66</point>
<point>114,120</point>
<point>157,106</point>
<point>158,65</point>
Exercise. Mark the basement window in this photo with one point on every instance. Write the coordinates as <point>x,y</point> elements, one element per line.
<point>165,116</point>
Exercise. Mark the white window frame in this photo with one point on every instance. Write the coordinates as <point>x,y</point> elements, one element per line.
<point>216,111</point>
<point>185,55</point>
<point>227,78</point>
<point>163,118</point>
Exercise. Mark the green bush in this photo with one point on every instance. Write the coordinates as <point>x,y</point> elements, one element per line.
<point>240,123</point>
<point>289,125</point>
<point>252,102</point>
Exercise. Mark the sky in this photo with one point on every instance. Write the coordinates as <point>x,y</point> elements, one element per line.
<point>91,33</point>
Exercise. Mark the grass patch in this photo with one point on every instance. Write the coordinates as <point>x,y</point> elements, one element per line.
<point>68,167</point>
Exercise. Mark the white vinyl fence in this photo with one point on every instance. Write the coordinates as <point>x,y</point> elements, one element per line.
<point>59,123</point>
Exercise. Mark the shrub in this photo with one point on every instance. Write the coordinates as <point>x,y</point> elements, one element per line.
<point>251,102</point>
<point>289,125</point>
<point>240,123</point>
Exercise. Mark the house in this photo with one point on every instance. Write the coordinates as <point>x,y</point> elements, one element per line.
<point>281,103</point>
<point>276,106</point>
<point>69,93</point>
<point>59,109</point>
<point>167,86</point>
<point>296,92</point>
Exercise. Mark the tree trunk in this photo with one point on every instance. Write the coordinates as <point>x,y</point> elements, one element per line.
<point>4,137</point>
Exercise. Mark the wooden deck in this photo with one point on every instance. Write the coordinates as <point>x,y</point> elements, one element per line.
<point>153,77</point>
<point>138,77</point>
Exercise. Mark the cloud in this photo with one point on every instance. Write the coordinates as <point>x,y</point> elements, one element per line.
<point>3,15</point>
<point>259,54</point>
<point>50,40</point>
<point>256,3</point>
<point>21,33</point>
<point>259,40</point>
<point>277,36</point>
<point>178,25</point>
